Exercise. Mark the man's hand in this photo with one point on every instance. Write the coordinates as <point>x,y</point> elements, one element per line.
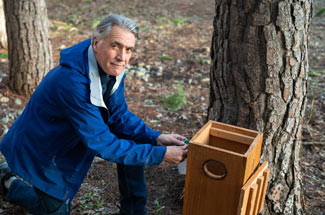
<point>171,140</point>
<point>175,154</point>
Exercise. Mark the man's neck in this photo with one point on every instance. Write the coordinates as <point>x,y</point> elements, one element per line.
<point>101,71</point>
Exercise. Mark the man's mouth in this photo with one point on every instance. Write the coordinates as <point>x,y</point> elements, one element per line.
<point>116,64</point>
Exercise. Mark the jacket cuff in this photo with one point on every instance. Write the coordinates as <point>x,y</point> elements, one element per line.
<point>154,137</point>
<point>161,151</point>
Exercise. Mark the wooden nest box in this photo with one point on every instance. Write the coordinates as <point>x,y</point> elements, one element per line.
<point>221,159</point>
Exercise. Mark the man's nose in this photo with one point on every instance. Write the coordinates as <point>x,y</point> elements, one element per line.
<point>121,54</point>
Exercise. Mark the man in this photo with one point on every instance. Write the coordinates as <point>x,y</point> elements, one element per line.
<point>77,112</point>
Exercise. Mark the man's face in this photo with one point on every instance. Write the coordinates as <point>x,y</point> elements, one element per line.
<point>114,51</point>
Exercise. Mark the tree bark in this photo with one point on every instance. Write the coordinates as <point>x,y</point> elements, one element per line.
<point>3,32</point>
<point>259,80</point>
<point>29,48</point>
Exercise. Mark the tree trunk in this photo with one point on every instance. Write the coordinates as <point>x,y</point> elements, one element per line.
<point>258,81</point>
<point>3,33</point>
<point>29,48</point>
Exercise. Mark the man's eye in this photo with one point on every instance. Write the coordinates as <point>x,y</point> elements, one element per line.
<point>129,50</point>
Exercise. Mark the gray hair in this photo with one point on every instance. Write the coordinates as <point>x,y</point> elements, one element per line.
<point>104,27</point>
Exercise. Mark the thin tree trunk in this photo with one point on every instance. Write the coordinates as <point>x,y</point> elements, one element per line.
<point>258,81</point>
<point>29,48</point>
<point>3,32</point>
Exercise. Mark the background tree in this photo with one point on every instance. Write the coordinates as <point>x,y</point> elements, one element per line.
<point>258,81</point>
<point>3,33</point>
<point>29,48</point>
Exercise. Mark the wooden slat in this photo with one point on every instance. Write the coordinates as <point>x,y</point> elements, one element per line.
<point>228,145</point>
<point>212,147</point>
<point>228,135</point>
<point>251,199</point>
<point>202,136</point>
<point>234,128</point>
<point>266,178</point>
<point>253,155</point>
<point>243,202</point>
<point>259,183</point>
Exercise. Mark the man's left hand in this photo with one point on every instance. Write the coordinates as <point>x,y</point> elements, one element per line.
<point>171,140</point>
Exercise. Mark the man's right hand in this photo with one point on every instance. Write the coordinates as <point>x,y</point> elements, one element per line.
<point>175,154</point>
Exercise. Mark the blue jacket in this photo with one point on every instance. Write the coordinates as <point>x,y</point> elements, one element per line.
<point>66,123</point>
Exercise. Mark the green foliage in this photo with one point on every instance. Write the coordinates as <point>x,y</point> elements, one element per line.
<point>62,25</point>
<point>178,21</point>
<point>146,29</point>
<point>320,12</point>
<point>4,55</point>
<point>58,24</point>
<point>87,1</point>
<point>165,57</point>
<point>72,18</point>
<point>95,23</point>
<point>158,207</point>
<point>89,195</point>
<point>92,202</point>
<point>175,101</point>
<point>205,61</point>
<point>162,20</point>
<point>313,73</point>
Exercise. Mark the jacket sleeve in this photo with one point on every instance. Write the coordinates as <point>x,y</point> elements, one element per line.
<point>73,99</point>
<point>127,124</point>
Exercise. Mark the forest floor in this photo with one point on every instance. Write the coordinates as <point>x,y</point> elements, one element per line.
<point>172,54</point>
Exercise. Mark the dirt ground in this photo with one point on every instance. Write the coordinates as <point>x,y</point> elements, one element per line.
<point>172,52</point>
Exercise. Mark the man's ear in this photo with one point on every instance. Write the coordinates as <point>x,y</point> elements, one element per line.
<point>95,43</point>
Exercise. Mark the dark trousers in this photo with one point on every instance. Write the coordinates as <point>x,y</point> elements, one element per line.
<point>34,200</point>
<point>132,185</point>
<point>133,190</point>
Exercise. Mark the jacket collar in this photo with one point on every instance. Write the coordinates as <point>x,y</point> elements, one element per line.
<point>96,94</point>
